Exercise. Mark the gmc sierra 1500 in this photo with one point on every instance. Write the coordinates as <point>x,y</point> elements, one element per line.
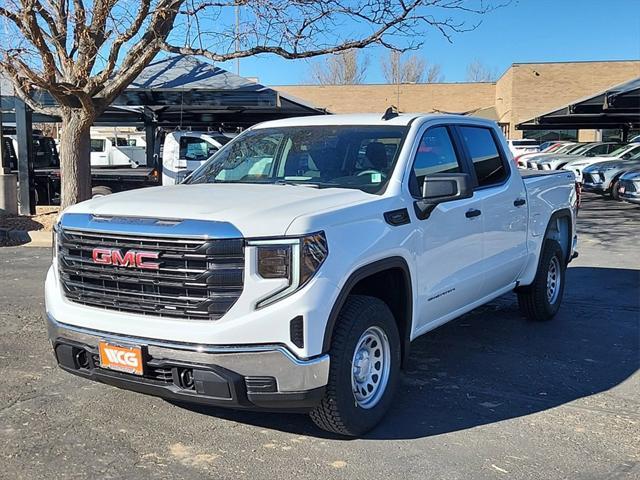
<point>294,268</point>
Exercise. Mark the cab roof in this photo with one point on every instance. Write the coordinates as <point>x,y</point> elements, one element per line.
<point>374,119</point>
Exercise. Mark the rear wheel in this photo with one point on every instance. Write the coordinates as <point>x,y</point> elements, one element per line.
<point>541,300</point>
<point>364,371</point>
<point>100,192</point>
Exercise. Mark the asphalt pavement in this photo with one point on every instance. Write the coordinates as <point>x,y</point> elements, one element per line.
<point>489,395</point>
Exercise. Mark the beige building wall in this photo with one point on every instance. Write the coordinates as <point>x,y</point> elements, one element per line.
<point>524,91</point>
<point>541,87</point>
<point>428,97</point>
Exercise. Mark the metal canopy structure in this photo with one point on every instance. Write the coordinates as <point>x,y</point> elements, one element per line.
<point>616,107</point>
<point>173,92</point>
<point>181,91</point>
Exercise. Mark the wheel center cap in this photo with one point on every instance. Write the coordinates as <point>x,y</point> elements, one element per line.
<point>362,365</point>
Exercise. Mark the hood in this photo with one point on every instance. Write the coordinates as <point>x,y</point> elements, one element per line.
<point>254,210</point>
<point>612,165</point>
<point>632,174</point>
<point>582,161</point>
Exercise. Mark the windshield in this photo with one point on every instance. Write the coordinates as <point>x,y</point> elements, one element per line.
<point>566,148</point>
<point>359,157</point>
<point>619,151</point>
<point>582,149</point>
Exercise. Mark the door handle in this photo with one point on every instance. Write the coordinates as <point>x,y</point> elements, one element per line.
<point>473,213</point>
<point>518,202</point>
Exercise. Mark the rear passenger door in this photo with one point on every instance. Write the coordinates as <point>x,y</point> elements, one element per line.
<point>503,207</point>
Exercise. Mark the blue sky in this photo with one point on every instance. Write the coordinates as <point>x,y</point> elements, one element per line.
<point>524,31</point>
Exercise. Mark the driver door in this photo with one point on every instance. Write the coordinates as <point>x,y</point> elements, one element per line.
<point>451,240</point>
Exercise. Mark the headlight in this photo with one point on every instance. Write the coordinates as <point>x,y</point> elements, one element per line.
<point>295,260</point>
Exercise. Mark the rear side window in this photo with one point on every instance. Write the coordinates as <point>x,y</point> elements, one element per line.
<point>487,162</point>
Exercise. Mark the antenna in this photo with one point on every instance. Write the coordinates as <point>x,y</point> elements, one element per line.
<point>391,112</point>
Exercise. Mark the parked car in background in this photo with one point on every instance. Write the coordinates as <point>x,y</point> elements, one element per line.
<point>532,162</point>
<point>554,162</point>
<point>522,160</point>
<point>629,186</point>
<point>635,139</point>
<point>625,152</point>
<point>604,177</point>
<point>524,145</point>
<point>552,145</point>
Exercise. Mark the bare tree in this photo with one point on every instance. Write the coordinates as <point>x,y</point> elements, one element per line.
<point>398,68</point>
<point>343,68</point>
<point>84,53</point>
<point>479,72</point>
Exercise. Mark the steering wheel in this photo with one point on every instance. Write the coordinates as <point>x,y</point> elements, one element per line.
<point>371,172</point>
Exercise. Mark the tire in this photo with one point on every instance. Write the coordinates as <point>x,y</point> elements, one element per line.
<point>100,192</point>
<point>614,190</point>
<point>537,301</point>
<point>341,410</point>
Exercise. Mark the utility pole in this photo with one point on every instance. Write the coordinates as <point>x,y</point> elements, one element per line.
<point>237,11</point>
<point>3,168</point>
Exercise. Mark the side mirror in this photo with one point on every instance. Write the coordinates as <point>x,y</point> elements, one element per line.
<point>442,187</point>
<point>591,154</point>
<point>626,156</point>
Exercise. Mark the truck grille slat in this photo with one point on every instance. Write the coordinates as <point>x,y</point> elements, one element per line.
<point>196,279</point>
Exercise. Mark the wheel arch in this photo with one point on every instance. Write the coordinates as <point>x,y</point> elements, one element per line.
<point>373,279</point>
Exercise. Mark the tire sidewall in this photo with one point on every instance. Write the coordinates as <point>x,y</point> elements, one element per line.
<point>551,249</point>
<point>361,419</point>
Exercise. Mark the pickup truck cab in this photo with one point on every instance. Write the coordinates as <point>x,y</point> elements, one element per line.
<point>113,151</point>
<point>293,269</point>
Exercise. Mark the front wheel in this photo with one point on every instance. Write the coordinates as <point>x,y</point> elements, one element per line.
<point>615,190</point>
<point>541,300</point>
<point>364,371</point>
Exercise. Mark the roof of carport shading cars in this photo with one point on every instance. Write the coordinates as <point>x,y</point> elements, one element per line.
<point>615,107</point>
<point>184,91</point>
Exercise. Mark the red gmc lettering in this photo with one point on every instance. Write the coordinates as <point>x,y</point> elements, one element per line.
<point>132,258</point>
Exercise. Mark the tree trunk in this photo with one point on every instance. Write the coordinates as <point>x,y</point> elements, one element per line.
<point>75,157</point>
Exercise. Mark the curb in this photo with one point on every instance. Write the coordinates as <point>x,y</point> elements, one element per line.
<point>39,238</point>
<point>16,238</point>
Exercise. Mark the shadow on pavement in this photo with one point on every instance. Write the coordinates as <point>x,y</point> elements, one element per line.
<point>491,364</point>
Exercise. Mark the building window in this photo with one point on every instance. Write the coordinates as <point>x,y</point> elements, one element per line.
<point>549,135</point>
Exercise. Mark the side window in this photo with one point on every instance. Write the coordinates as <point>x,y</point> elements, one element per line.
<point>435,155</point>
<point>487,163</point>
<point>193,148</point>
<point>97,145</point>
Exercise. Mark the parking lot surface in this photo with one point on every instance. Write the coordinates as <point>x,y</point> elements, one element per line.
<point>486,396</point>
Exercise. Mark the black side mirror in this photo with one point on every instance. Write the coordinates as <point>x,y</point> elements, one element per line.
<point>442,187</point>
<point>626,156</point>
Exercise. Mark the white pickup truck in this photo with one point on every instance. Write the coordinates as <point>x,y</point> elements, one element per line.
<point>294,268</point>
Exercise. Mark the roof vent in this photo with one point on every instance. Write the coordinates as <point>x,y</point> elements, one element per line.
<point>391,112</point>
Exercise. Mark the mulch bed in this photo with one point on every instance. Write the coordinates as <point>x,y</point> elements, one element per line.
<point>12,227</point>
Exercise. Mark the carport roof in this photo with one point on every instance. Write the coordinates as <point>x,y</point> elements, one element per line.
<point>182,90</point>
<point>616,107</point>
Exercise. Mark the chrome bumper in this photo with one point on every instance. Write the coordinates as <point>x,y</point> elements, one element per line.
<point>291,373</point>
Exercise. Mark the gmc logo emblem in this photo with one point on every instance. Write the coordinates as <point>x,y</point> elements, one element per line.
<point>132,258</point>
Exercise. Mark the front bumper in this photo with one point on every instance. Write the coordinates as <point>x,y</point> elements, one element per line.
<point>594,187</point>
<point>265,377</point>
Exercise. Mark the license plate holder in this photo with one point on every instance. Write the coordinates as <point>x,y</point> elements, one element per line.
<point>121,358</point>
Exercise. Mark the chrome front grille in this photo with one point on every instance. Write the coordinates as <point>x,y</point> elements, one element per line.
<point>195,279</point>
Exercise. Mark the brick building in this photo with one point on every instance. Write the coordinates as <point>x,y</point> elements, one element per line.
<point>524,91</point>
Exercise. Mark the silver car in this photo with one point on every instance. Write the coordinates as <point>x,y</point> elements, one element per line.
<point>629,186</point>
<point>604,177</point>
